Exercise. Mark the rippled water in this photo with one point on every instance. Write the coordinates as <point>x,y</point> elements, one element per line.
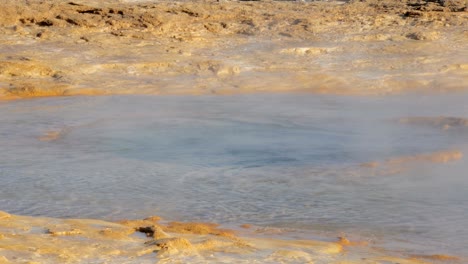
<point>270,160</point>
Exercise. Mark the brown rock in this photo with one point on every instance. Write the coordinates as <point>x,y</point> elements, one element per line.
<point>154,231</point>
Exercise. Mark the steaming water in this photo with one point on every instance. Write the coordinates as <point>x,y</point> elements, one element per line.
<point>270,160</point>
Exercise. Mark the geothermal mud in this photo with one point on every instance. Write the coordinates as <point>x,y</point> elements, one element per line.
<point>51,48</point>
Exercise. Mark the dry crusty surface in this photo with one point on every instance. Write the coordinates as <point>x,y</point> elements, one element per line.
<point>368,47</point>
<point>48,240</point>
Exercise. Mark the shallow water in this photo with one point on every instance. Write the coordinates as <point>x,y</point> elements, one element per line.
<point>288,161</point>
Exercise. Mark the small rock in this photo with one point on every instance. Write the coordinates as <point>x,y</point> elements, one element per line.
<point>153,231</point>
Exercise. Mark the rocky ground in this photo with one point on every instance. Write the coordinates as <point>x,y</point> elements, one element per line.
<point>51,48</point>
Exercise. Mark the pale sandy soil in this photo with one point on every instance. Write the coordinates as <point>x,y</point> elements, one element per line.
<point>50,48</point>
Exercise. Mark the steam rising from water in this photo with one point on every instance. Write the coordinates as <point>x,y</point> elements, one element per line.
<point>271,160</point>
